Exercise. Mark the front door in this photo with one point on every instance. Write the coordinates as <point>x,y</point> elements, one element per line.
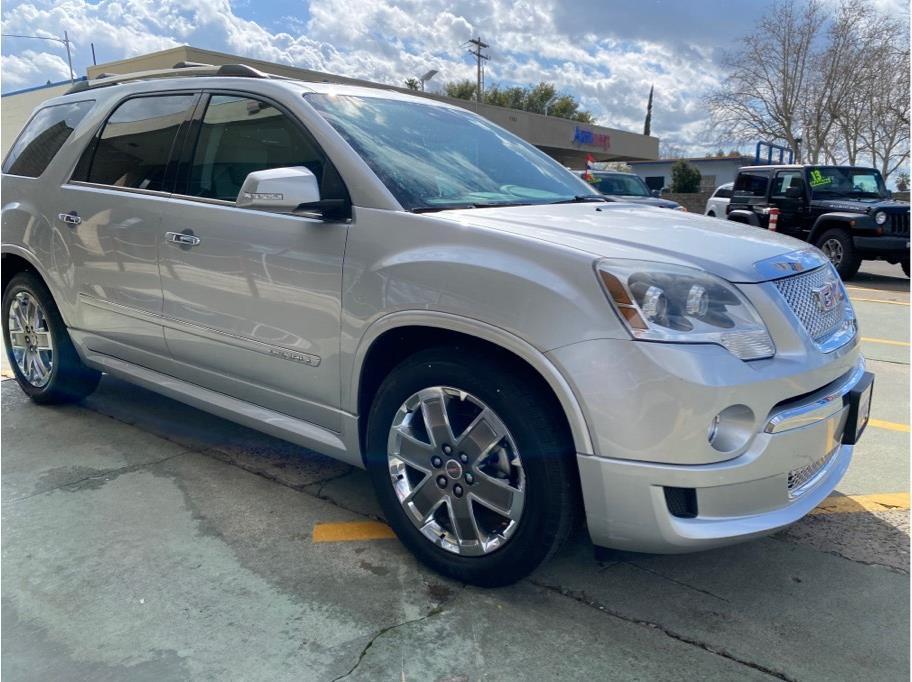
<point>252,300</point>
<point>109,214</point>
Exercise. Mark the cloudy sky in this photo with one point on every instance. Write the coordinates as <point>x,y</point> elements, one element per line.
<point>604,52</point>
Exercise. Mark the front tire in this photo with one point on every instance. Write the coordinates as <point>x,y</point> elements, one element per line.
<point>38,346</point>
<point>472,464</point>
<point>837,245</point>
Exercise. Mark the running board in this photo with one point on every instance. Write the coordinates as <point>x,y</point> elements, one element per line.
<point>261,419</point>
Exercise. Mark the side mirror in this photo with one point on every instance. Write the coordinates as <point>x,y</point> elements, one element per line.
<point>656,193</point>
<point>281,190</point>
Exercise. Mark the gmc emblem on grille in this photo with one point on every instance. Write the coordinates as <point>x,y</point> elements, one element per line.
<point>826,296</point>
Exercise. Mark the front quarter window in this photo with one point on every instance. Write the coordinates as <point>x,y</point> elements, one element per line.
<point>434,157</point>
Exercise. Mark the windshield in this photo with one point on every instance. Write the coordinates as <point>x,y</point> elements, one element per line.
<point>432,157</point>
<point>620,185</point>
<point>827,182</point>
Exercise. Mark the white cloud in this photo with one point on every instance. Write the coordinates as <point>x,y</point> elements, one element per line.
<point>608,66</point>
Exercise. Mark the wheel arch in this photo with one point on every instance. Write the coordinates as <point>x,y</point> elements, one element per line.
<point>396,336</point>
<point>828,221</point>
<point>743,216</point>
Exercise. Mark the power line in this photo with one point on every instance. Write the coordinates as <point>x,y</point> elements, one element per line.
<point>65,40</point>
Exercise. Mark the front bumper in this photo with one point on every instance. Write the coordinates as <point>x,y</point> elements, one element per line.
<point>889,246</point>
<point>737,498</point>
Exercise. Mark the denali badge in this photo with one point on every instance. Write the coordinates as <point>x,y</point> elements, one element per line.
<point>826,296</point>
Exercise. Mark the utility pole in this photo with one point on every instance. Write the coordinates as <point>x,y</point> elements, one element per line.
<point>647,126</point>
<point>65,40</point>
<point>476,52</point>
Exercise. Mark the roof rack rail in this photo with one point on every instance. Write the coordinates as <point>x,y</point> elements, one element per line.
<point>187,65</point>
<point>181,69</point>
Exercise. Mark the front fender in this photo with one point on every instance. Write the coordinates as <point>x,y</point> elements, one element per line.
<point>499,337</point>
<point>850,221</point>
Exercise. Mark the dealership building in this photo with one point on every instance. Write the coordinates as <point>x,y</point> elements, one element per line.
<point>569,142</point>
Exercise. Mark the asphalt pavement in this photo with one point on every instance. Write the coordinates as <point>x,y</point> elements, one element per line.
<point>143,539</point>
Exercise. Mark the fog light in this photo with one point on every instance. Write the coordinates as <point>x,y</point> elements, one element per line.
<point>714,427</point>
<point>732,428</point>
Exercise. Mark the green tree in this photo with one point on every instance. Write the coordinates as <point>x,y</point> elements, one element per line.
<point>464,89</point>
<point>685,178</point>
<point>539,99</point>
<point>413,84</point>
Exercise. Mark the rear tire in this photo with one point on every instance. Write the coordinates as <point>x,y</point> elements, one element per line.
<point>38,346</point>
<point>513,418</point>
<point>837,245</point>
<point>905,266</point>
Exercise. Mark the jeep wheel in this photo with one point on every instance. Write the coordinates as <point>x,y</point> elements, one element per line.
<point>38,345</point>
<point>837,245</point>
<point>905,266</point>
<point>472,466</point>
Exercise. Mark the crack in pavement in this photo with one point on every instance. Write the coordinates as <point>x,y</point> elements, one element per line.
<point>101,474</point>
<point>677,582</point>
<point>837,553</point>
<point>225,458</point>
<point>437,610</point>
<point>582,598</point>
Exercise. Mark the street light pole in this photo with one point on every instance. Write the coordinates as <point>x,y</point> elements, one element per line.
<point>65,40</point>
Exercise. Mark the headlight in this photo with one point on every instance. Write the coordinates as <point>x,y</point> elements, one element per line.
<point>681,208</point>
<point>880,217</point>
<point>659,302</point>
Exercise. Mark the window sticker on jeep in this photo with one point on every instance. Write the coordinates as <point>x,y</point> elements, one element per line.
<point>818,179</point>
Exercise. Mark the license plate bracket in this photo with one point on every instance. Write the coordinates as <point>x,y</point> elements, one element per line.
<point>859,404</point>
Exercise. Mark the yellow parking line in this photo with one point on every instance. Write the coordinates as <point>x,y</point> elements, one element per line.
<point>891,426</point>
<point>351,531</point>
<point>888,342</point>
<point>843,504</point>
<point>879,300</point>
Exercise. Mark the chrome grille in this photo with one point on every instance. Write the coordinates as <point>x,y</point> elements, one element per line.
<point>798,292</point>
<point>798,479</point>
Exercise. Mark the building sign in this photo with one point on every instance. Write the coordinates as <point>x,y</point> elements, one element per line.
<point>587,137</point>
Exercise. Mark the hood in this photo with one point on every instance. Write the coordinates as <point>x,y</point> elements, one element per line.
<point>623,230</point>
<point>645,201</point>
<point>861,205</point>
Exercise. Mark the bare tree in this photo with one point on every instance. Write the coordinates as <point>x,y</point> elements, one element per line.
<point>840,82</point>
<point>762,96</point>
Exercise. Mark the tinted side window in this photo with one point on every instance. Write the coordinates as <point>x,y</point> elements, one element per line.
<point>787,180</point>
<point>751,184</point>
<point>241,135</point>
<point>135,143</point>
<point>723,193</point>
<point>43,137</point>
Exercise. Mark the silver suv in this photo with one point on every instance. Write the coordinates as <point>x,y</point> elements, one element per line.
<point>405,286</point>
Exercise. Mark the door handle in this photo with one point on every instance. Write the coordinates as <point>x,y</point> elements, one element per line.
<point>71,218</point>
<point>182,239</point>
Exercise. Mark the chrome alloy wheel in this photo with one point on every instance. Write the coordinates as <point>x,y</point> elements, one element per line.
<point>30,339</point>
<point>832,249</point>
<point>456,471</point>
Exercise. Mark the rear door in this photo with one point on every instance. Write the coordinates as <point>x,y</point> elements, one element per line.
<point>252,304</point>
<point>788,194</point>
<point>109,216</point>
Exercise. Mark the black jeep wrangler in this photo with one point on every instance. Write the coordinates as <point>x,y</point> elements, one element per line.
<point>846,211</point>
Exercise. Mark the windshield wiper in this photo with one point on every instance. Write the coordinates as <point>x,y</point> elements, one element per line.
<point>582,198</point>
<point>474,204</point>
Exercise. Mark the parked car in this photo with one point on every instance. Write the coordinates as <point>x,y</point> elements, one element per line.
<point>846,211</point>
<point>627,187</point>
<point>718,202</point>
<point>403,285</point>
